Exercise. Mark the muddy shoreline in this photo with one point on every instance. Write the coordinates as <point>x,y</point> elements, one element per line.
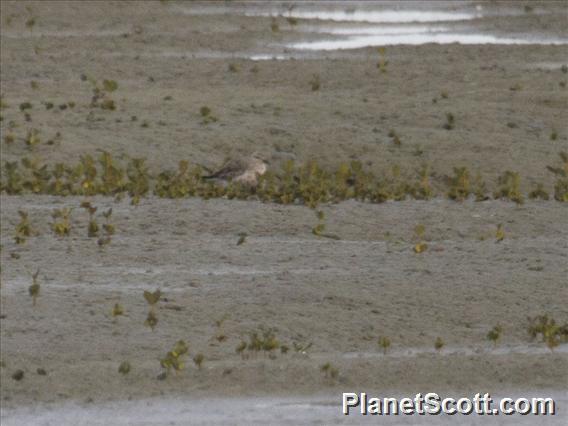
<point>338,295</point>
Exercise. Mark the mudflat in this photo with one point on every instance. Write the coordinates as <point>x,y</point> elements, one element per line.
<point>328,301</point>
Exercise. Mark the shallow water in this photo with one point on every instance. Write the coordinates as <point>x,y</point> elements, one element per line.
<point>415,39</point>
<point>374,16</point>
<point>327,27</point>
<point>357,25</point>
<point>257,411</point>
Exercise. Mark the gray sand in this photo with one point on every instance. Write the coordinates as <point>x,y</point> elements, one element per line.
<point>338,295</point>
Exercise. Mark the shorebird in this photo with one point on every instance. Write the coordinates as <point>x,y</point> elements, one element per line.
<point>244,171</point>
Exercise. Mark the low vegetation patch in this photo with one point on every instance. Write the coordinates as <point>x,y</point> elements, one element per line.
<point>307,184</point>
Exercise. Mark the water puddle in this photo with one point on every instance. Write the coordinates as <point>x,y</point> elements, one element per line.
<point>336,26</point>
<point>375,30</point>
<point>355,25</point>
<point>372,16</point>
<point>413,39</point>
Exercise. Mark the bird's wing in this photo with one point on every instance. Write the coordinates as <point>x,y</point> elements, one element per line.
<point>230,169</point>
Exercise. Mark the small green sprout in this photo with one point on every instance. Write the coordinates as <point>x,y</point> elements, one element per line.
<point>382,63</point>
<point>32,138</point>
<point>151,320</point>
<point>9,138</point>
<point>292,21</point>
<point>551,332</point>
<point>509,187</point>
<point>420,246</point>
<point>62,224</point>
<point>108,227</point>
<point>23,228</point>
<point>93,229</point>
<point>450,121</point>
<point>315,82</point>
<point>34,288</point>
<point>173,358</point>
<point>242,238</point>
<point>500,233</point>
<point>117,310</point>
<point>384,343</point>
<point>274,25</point>
<point>219,334</point>
<point>104,241</point>
<point>110,85</point>
<point>30,23</point>
<point>18,375</point>
<point>124,368</point>
<point>152,298</point>
<point>240,348</point>
<point>320,227</point>
<point>539,193</point>
<point>208,117</point>
<point>438,344</point>
<point>329,370</point>
<point>495,334</point>
<point>198,360</point>
<point>108,104</point>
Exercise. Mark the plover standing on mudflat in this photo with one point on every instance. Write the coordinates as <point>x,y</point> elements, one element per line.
<point>240,170</point>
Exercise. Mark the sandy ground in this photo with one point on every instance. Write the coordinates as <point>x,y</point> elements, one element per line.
<point>338,295</point>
